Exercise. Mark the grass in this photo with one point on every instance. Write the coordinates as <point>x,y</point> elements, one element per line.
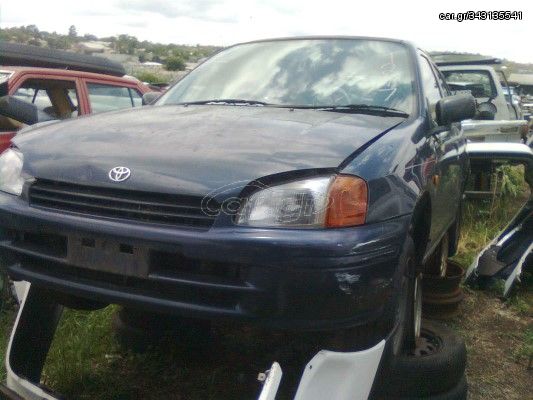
<point>86,361</point>
<point>7,318</point>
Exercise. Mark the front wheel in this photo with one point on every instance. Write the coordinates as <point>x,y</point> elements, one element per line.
<point>414,313</point>
<point>433,368</point>
<point>410,304</point>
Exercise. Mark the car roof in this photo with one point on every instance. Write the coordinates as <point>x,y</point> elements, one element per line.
<point>466,68</point>
<point>67,73</point>
<point>327,37</point>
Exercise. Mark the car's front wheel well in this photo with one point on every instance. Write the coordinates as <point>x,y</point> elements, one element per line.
<point>420,226</point>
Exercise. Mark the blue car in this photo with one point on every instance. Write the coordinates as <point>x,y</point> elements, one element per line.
<point>299,183</point>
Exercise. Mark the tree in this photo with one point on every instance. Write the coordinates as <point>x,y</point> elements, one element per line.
<point>72,32</point>
<point>89,37</point>
<point>34,42</point>
<point>126,44</point>
<point>175,63</point>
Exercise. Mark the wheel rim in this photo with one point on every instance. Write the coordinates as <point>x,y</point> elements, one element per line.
<point>444,256</point>
<point>417,304</point>
<point>428,343</point>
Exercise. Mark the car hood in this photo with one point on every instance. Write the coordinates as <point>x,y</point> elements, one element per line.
<point>195,149</point>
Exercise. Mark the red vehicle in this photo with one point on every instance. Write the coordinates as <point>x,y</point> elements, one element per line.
<point>65,93</point>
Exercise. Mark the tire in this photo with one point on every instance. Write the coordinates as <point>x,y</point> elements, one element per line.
<point>459,392</point>
<point>427,373</point>
<point>434,285</point>
<point>32,56</point>
<point>405,337</point>
<point>442,307</point>
<point>400,313</point>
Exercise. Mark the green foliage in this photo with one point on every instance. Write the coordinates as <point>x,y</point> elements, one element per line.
<point>175,63</point>
<point>72,32</point>
<point>150,77</point>
<point>512,180</point>
<point>125,44</point>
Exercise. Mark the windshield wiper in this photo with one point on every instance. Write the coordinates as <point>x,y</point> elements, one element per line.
<point>236,102</point>
<point>364,108</point>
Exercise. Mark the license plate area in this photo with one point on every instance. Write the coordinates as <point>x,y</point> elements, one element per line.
<point>108,256</point>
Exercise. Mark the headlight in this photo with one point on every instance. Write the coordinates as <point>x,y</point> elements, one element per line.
<point>11,180</point>
<point>334,201</point>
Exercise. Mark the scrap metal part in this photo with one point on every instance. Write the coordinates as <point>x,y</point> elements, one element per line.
<point>505,257</point>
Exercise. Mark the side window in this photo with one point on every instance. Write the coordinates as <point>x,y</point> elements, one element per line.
<point>57,98</point>
<point>430,85</point>
<point>136,98</point>
<point>479,83</point>
<point>110,97</point>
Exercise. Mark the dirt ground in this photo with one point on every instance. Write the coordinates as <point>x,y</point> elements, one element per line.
<point>495,334</point>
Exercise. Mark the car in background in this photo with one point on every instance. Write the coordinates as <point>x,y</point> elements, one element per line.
<point>62,85</point>
<point>511,94</point>
<point>481,79</point>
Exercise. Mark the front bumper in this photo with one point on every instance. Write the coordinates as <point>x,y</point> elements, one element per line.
<point>343,376</point>
<point>286,278</point>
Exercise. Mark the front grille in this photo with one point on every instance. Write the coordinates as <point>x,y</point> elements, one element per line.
<point>121,204</point>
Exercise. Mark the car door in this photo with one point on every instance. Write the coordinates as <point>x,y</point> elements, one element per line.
<point>106,96</point>
<point>447,146</point>
<point>55,95</point>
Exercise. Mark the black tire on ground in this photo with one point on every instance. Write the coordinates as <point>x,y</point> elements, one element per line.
<point>435,372</point>
<point>459,392</point>
<point>16,54</point>
<point>437,285</point>
<point>442,308</point>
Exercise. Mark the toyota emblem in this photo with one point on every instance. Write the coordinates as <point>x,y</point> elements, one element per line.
<point>119,174</point>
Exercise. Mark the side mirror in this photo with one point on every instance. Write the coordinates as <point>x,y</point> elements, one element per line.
<point>22,111</point>
<point>150,98</point>
<point>455,108</point>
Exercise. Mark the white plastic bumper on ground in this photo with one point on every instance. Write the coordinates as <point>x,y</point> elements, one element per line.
<point>329,375</point>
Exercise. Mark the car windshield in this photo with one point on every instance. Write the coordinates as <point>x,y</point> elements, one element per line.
<point>314,73</point>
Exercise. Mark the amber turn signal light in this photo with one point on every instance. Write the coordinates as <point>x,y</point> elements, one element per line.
<point>347,202</point>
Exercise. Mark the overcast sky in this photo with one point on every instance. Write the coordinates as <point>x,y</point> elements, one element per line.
<point>223,22</point>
